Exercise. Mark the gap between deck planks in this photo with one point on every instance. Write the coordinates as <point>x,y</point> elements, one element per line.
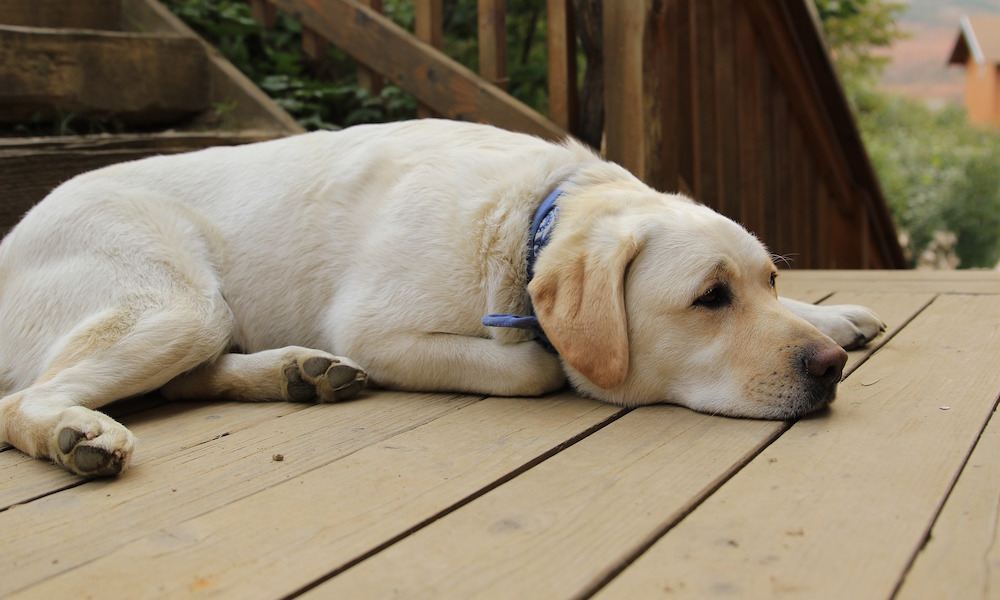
<point>320,520</point>
<point>551,532</point>
<point>173,515</point>
<point>54,537</point>
<point>860,512</point>
<point>962,553</point>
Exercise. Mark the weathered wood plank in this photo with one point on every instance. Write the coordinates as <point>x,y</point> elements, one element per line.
<point>552,532</point>
<point>52,538</point>
<point>964,281</point>
<point>78,14</point>
<point>750,125</point>
<point>962,556</point>
<point>706,142</point>
<point>627,119</point>
<point>31,168</point>
<point>561,44</point>
<point>492,18</point>
<point>94,73</point>
<point>895,310</point>
<point>852,492</point>
<point>368,79</point>
<point>341,511</point>
<point>725,105</point>
<point>428,27</point>
<point>557,530</point>
<point>161,432</point>
<point>417,68</point>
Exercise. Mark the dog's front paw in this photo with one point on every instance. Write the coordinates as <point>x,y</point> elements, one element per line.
<point>850,325</point>
<point>320,377</point>
<point>90,443</point>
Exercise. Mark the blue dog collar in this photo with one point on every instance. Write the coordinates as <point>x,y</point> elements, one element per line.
<point>539,234</point>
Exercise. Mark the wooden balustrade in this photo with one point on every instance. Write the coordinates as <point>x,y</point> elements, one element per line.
<point>732,101</point>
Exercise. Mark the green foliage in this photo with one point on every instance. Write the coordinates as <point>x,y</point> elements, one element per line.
<point>853,29</point>
<point>324,96</point>
<point>938,172</point>
<point>328,96</point>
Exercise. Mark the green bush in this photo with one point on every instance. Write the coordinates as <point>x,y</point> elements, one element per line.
<point>938,173</point>
<point>329,97</point>
<point>319,97</point>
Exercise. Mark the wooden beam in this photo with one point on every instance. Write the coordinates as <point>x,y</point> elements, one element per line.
<point>562,64</point>
<point>626,119</point>
<point>367,78</point>
<point>428,26</point>
<point>493,41</point>
<point>94,73</point>
<point>786,58</point>
<point>264,13</point>
<point>79,14</point>
<point>417,68</point>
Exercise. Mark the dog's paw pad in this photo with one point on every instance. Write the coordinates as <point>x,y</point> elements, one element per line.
<point>98,462</point>
<point>92,446</point>
<point>323,379</point>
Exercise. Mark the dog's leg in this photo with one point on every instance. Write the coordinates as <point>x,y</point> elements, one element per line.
<point>292,373</point>
<point>849,325</point>
<point>114,355</point>
<point>447,362</point>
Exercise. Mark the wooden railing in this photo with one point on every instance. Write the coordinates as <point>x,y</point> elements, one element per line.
<point>415,63</point>
<point>732,101</point>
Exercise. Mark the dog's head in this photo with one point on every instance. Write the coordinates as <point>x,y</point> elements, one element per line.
<point>653,298</point>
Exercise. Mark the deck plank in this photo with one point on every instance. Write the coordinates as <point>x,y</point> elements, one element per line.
<point>164,430</point>
<point>63,531</point>
<point>855,492</point>
<point>895,310</point>
<point>964,282</point>
<point>563,527</point>
<point>962,553</point>
<point>272,543</point>
<point>556,530</point>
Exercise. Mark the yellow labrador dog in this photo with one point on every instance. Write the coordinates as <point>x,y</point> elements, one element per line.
<point>435,255</point>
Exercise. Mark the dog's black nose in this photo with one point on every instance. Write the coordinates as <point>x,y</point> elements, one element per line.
<point>826,363</point>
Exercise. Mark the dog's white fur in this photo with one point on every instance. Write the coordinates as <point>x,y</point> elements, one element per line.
<point>387,244</point>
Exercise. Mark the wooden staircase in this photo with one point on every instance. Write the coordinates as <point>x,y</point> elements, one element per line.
<point>121,65</point>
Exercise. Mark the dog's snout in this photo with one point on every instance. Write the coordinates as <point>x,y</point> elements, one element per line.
<point>826,363</point>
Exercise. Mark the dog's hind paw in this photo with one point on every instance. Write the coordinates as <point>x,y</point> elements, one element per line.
<point>319,377</point>
<point>91,444</point>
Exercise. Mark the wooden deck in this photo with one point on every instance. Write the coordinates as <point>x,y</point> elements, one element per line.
<point>892,493</point>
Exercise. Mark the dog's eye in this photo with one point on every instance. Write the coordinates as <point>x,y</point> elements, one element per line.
<point>718,296</point>
<point>774,276</point>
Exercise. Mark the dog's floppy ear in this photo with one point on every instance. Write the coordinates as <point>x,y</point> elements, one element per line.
<point>579,297</point>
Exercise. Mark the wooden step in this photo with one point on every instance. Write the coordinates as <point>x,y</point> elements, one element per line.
<point>136,78</point>
<point>79,14</point>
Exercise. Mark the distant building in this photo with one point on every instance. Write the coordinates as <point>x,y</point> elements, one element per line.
<point>978,50</point>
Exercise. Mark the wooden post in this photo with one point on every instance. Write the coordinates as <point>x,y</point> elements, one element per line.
<point>428,23</point>
<point>264,12</point>
<point>313,46</point>
<point>633,124</point>
<point>562,64</point>
<point>429,75</point>
<point>493,41</point>
<point>367,78</point>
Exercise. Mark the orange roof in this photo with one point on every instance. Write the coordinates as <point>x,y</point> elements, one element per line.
<point>978,39</point>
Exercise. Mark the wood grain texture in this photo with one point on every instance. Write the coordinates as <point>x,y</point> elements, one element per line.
<point>853,492</point>
<point>182,485</point>
<point>962,555</point>
<point>136,78</point>
<point>433,78</point>
<point>317,521</point>
<point>557,530</point>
